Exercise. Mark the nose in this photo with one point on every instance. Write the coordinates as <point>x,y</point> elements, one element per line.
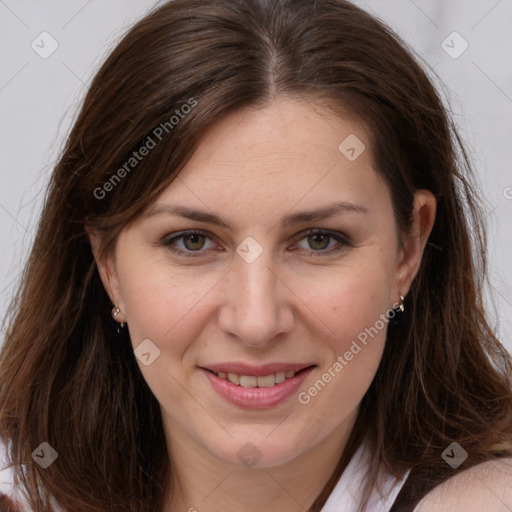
<point>257,307</point>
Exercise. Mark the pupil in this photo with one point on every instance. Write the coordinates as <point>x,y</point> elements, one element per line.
<point>319,236</point>
<point>192,237</point>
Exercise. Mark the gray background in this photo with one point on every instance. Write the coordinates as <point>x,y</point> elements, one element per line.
<point>39,97</point>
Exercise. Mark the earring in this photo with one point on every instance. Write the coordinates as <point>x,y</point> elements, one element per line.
<point>115,312</point>
<point>394,318</point>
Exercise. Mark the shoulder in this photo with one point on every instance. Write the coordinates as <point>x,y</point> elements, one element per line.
<point>486,486</point>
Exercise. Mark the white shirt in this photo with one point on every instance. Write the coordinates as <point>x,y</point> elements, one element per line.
<point>346,496</point>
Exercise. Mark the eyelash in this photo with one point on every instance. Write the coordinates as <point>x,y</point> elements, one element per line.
<point>342,239</point>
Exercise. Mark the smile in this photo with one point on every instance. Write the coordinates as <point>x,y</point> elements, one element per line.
<point>251,381</point>
<point>241,387</point>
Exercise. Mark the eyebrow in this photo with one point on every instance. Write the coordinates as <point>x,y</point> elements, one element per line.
<point>325,212</point>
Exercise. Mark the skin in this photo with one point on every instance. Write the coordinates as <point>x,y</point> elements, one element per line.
<point>486,486</point>
<point>252,168</point>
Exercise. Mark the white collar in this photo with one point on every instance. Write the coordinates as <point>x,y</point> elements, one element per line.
<point>346,496</point>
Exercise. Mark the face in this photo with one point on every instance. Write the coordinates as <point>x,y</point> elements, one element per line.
<point>262,291</point>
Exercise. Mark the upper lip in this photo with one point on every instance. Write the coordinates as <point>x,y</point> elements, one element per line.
<point>256,371</point>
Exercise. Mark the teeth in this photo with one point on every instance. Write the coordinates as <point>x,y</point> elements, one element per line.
<point>235,379</point>
<point>266,382</point>
<point>280,377</point>
<point>250,381</point>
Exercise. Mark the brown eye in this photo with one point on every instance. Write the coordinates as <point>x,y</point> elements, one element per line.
<point>196,241</point>
<point>188,243</point>
<point>319,241</point>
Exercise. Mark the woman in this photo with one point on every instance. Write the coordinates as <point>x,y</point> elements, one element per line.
<point>180,342</point>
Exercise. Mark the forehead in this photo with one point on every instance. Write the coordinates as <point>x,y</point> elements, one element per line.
<point>288,154</point>
<point>284,129</point>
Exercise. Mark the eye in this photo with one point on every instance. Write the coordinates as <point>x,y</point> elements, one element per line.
<point>318,241</point>
<point>194,240</point>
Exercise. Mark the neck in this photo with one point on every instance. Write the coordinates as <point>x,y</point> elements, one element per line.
<point>205,483</point>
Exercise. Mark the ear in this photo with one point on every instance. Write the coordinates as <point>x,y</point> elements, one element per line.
<point>414,242</point>
<point>108,273</point>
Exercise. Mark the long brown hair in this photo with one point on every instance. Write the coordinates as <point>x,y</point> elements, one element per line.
<point>66,378</point>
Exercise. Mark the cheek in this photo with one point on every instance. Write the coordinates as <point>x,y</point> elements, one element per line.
<point>354,309</point>
<point>164,305</point>
<point>167,307</point>
<point>349,299</point>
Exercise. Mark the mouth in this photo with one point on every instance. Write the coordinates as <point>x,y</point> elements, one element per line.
<point>253,381</point>
<point>253,387</point>
<point>265,376</point>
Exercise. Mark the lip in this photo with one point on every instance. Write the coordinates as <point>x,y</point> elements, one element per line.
<point>258,398</point>
<point>256,371</point>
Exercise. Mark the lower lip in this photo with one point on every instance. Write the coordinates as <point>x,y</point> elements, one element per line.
<point>257,398</point>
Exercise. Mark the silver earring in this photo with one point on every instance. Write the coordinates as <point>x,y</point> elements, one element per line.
<point>401,307</point>
<point>115,312</point>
